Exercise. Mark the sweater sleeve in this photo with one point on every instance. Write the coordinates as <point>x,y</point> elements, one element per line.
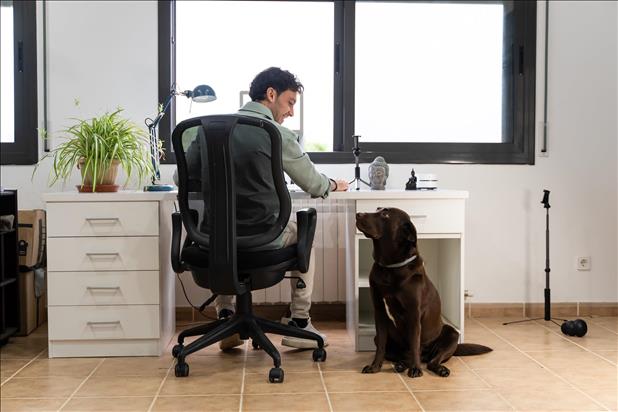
<point>300,168</point>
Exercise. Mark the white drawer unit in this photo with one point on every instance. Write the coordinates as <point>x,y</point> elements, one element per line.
<point>103,288</point>
<point>104,219</point>
<point>110,283</point>
<point>103,253</point>
<point>439,217</point>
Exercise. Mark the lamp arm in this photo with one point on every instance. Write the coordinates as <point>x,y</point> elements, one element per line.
<point>154,141</point>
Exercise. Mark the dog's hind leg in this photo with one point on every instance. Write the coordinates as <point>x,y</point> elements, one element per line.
<point>442,350</point>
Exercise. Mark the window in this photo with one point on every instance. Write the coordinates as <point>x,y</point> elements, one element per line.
<point>419,81</point>
<point>18,117</point>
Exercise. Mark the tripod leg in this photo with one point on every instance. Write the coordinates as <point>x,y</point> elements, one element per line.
<point>523,320</point>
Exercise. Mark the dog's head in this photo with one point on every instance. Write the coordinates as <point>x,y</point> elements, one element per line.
<point>390,228</point>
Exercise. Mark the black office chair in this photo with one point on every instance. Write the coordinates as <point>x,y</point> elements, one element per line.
<point>214,154</point>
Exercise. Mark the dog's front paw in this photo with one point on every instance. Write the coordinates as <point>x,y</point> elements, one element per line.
<point>443,371</point>
<point>371,369</point>
<point>415,372</point>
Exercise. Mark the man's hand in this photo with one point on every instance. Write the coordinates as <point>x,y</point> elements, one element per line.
<point>338,185</point>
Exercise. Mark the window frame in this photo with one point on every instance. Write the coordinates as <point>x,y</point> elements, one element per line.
<point>523,62</point>
<point>24,150</point>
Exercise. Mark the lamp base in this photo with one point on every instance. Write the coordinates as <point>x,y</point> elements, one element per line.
<point>159,188</point>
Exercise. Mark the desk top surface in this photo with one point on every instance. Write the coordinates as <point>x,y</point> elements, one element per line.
<point>389,194</point>
<point>120,196</point>
<point>138,195</point>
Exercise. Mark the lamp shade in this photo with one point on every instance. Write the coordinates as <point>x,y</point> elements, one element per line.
<point>202,94</point>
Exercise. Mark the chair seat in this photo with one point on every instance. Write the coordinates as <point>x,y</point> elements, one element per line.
<point>197,257</point>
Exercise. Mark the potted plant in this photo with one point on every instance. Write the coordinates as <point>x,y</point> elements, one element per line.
<point>97,147</point>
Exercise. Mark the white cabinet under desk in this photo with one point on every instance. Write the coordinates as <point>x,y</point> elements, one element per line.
<point>110,281</point>
<point>439,217</point>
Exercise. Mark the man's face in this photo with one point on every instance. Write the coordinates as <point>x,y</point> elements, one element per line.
<point>282,105</point>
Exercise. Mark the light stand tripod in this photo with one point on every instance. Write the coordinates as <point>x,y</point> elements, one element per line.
<point>547,316</point>
<point>356,152</point>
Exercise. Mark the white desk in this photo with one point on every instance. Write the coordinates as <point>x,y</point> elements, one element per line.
<point>110,280</point>
<point>439,217</point>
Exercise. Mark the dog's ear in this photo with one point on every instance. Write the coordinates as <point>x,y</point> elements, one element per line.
<point>409,232</point>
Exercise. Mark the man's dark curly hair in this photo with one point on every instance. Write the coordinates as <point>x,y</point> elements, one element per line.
<point>280,80</point>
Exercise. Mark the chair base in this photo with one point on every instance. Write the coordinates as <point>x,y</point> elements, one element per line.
<point>244,323</point>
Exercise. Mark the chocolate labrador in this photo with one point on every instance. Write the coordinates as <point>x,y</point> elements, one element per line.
<point>409,328</point>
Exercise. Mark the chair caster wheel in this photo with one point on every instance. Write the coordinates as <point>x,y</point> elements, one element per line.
<point>319,355</point>
<point>275,375</point>
<point>399,367</point>
<point>181,370</point>
<point>255,345</point>
<point>176,350</point>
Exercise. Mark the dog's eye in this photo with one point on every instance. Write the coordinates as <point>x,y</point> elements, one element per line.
<point>384,213</point>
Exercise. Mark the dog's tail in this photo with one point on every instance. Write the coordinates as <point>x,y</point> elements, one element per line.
<point>468,349</point>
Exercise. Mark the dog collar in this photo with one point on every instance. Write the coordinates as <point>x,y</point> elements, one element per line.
<point>400,264</point>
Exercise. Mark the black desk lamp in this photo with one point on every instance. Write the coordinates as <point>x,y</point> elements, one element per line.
<point>200,94</point>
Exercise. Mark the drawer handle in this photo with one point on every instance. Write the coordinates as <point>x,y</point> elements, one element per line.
<point>97,254</point>
<point>91,288</point>
<point>112,322</point>
<point>102,219</point>
<point>418,216</point>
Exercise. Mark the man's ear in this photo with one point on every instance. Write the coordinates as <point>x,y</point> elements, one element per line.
<point>271,94</point>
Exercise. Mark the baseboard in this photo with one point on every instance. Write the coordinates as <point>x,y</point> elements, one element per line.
<point>319,312</point>
<point>336,311</point>
<point>528,309</point>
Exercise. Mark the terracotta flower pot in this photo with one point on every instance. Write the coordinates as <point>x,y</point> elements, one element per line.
<point>105,178</point>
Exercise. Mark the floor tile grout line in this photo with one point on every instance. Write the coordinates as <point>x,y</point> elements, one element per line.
<point>486,383</point>
<point>330,405</point>
<point>576,344</point>
<point>20,369</point>
<point>81,384</point>
<point>244,374</point>
<point>408,388</point>
<point>544,366</point>
<point>591,320</point>
<point>154,400</point>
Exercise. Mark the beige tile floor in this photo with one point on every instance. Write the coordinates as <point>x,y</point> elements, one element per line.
<point>533,368</point>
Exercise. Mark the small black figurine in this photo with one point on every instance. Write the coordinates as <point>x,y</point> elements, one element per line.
<point>411,184</point>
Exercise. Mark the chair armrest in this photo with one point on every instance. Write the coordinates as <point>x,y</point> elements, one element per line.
<point>306,220</point>
<point>176,235</point>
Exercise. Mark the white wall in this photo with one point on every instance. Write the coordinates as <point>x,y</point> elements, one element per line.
<point>105,54</point>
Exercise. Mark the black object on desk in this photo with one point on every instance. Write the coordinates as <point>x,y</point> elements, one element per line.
<point>411,184</point>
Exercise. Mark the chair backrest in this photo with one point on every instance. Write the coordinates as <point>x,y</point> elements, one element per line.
<point>231,189</point>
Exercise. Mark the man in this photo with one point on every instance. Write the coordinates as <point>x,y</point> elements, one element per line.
<point>274,93</point>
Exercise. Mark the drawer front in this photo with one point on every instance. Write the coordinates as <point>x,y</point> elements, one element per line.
<point>103,288</point>
<point>66,254</point>
<point>103,219</point>
<point>428,215</point>
<point>103,322</point>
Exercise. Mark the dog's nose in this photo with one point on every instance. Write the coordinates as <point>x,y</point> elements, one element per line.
<point>360,215</point>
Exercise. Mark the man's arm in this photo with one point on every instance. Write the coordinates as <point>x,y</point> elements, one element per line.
<point>300,168</point>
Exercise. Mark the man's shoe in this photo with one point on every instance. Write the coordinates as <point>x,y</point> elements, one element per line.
<point>231,341</point>
<point>299,342</point>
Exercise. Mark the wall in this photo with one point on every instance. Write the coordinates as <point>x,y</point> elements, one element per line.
<point>105,54</point>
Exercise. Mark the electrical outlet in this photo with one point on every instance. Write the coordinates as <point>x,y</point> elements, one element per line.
<point>583,263</point>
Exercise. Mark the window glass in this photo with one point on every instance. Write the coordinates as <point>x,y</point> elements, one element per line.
<point>7,103</point>
<point>224,44</point>
<point>429,72</point>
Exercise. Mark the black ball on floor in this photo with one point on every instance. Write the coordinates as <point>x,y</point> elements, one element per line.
<point>580,327</point>
<point>576,327</point>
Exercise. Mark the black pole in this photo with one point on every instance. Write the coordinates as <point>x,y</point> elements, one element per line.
<point>546,205</point>
<point>547,316</point>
